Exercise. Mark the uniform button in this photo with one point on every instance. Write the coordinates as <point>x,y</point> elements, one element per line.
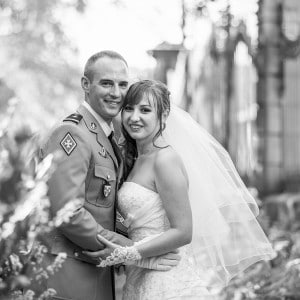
<point>76,254</point>
<point>108,176</point>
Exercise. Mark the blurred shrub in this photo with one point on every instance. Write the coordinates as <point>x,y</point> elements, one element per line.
<point>24,212</point>
<point>39,58</point>
<point>278,279</point>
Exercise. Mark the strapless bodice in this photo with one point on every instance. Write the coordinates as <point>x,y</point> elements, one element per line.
<point>142,210</point>
<point>146,217</point>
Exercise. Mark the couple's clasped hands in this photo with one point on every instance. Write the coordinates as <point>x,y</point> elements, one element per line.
<point>120,250</point>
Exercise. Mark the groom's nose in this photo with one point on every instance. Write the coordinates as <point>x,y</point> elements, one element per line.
<point>115,91</point>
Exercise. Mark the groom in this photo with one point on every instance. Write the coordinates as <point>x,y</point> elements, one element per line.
<point>90,171</point>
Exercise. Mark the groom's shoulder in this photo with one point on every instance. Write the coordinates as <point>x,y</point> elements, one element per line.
<point>67,131</point>
<point>74,118</point>
<point>71,123</point>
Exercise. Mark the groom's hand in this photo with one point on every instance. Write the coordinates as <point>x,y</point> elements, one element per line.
<point>110,240</point>
<point>115,238</point>
<point>162,263</point>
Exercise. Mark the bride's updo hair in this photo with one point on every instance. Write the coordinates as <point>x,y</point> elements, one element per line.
<point>158,95</point>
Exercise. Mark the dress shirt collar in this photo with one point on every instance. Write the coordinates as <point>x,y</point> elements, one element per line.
<point>108,129</point>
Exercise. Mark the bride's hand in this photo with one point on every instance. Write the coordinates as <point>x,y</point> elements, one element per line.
<point>113,254</point>
<point>102,254</point>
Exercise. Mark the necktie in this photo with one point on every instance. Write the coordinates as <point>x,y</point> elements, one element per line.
<point>115,146</point>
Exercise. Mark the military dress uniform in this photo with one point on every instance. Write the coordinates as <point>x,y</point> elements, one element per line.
<point>90,170</point>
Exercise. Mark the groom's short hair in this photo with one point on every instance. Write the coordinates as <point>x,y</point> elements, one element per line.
<point>106,53</point>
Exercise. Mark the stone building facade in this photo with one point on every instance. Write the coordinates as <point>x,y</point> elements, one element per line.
<point>245,92</point>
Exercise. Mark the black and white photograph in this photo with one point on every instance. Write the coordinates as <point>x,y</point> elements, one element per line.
<point>149,150</point>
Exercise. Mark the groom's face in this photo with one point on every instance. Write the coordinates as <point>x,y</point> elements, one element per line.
<point>107,86</point>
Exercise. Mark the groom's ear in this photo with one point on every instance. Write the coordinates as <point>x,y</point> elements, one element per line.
<point>85,84</point>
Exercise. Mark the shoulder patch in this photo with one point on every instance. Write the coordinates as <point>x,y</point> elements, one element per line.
<point>76,118</point>
<point>68,143</point>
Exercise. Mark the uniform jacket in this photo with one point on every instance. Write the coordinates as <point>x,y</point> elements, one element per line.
<point>89,170</point>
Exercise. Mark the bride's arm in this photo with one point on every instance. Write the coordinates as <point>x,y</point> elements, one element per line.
<point>172,185</point>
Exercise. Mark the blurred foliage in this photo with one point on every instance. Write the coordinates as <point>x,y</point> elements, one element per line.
<point>24,213</point>
<point>33,29</point>
<point>278,279</point>
<point>37,60</point>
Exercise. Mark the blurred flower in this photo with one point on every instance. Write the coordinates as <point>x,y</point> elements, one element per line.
<point>51,269</point>
<point>22,211</point>
<point>43,167</point>
<point>47,294</point>
<point>280,245</point>
<point>4,125</point>
<point>6,169</point>
<point>25,212</point>
<point>15,263</point>
<point>60,258</point>
<point>67,212</point>
<point>28,295</point>
<point>293,263</point>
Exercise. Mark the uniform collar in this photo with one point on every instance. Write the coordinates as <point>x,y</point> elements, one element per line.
<point>108,129</point>
<point>92,125</point>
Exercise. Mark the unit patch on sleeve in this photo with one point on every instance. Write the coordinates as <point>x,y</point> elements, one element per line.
<point>68,143</point>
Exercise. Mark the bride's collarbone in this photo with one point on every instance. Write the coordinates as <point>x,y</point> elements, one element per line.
<point>143,174</point>
<point>145,161</point>
<point>151,154</point>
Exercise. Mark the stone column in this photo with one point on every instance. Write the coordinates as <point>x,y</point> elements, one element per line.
<point>269,93</point>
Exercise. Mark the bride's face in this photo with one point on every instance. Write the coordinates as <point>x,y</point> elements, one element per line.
<point>140,120</point>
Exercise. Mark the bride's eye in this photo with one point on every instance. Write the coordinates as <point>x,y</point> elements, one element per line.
<point>146,110</point>
<point>128,108</point>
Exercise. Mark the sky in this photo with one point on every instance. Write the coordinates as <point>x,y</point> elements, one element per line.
<point>130,29</point>
<point>136,26</point>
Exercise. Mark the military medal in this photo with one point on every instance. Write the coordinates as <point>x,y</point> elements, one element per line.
<point>93,126</point>
<point>106,189</point>
<point>102,152</point>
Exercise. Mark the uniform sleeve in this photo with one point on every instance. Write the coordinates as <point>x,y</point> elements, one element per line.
<point>68,183</point>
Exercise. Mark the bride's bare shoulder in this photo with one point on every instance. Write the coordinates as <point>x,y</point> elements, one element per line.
<point>167,157</point>
<point>169,168</point>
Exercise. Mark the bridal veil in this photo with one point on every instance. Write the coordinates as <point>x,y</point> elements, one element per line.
<point>226,235</point>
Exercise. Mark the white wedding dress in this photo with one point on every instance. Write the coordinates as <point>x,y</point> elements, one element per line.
<point>145,217</point>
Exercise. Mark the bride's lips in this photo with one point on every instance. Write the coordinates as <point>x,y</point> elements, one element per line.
<point>135,127</point>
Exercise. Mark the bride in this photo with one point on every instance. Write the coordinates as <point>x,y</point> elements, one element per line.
<point>181,190</point>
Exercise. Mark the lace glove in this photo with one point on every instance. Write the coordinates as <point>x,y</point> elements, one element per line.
<point>120,255</point>
<point>131,256</point>
<point>125,255</point>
